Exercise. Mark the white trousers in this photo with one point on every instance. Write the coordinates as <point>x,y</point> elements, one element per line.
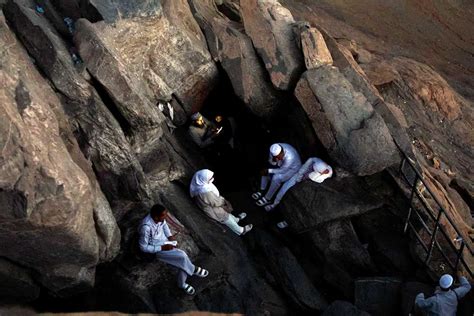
<point>275,181</point>
<point>232,223</point>
<point>290,183</point>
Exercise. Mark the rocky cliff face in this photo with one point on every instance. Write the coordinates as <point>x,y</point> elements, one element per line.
<point>95,97</point>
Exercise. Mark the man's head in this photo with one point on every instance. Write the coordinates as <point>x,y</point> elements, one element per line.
<point>197,119</point>
<point>158,213</point>
<point>446,281</point>
<point>277,152</point>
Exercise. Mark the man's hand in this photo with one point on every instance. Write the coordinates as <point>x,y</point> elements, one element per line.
<point>167,247</point>
<point>264,172</point>
<point>459,274</point>
<point>172,237</point>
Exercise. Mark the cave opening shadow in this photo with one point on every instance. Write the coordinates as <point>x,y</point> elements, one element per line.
<point>235,168</point>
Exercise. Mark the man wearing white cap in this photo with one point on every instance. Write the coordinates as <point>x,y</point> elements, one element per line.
<point>314,169</point>
<point>445,300</point>
<point>287,162</point>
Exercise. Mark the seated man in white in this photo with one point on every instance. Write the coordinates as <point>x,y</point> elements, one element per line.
<point>287,162</point>
<point>314,169</point>
<point>156,238</point>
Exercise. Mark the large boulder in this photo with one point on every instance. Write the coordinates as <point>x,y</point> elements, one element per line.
<point>309,204</point>
<point>129,95</point>
<point>313,46</point>
<point>17,285</point>
<point>439,118</point>
<point>113,10</point>
<point>343,255</point>
<point>182,67</point>
<point>98,132</point>
<point>340,245</point>
<point>48,198</point>
<point>355,136</point>
<point>382,229</point>
<point>344,59</point>
<point>233,48</point>
<point>270,26</point>
<point>288,273</point>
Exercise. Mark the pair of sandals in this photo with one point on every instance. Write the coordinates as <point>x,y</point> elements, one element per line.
<point>248,227</point>
<point>200,272</point>
<point>262,201</point>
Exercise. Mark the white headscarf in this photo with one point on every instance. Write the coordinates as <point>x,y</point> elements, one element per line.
<point>201,183</point>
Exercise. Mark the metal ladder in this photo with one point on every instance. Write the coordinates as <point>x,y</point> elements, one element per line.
<point>423,219</point>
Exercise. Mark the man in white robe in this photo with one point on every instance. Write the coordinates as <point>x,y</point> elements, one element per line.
<point>287,162</point>
<point>314,169</point>
<point>156,238</point>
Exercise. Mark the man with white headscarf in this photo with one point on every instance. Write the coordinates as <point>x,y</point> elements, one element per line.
<point>445,300</point>
<point>287,162</point>
<point>314,169</point>
<point>207,197</point>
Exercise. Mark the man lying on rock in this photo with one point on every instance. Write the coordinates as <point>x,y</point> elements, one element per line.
<point>314,169</point>
<point>207,197</point>
<point>287,162</point>
<point>156,238</point>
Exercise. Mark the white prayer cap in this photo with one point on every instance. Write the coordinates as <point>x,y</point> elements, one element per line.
<point>195,116</point>
<point>275,150</point>
<point>446,281</point>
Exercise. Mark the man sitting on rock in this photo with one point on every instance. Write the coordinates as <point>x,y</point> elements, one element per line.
<point>202,131</point>
<point>445,300</point>
<point>287,162</point>
<point>156,238</point>
<point>314,169</point>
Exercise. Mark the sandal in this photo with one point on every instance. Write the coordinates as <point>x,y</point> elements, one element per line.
<point>257,195</point>
<point>270,207</point>
<point>200,272</point>
<point>282,225</point>
<point>189,289</point>
<point>262,202</point>
<point>247,228</point>
<point>241,216</point>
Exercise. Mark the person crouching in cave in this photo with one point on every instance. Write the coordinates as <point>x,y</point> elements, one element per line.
<point>207,197</point>
<point>287,162</point>
<point>156,238</point>
<point>314,169</point>
<point>202,131</point>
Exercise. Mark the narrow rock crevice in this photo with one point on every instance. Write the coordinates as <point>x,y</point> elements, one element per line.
<point>109,102</point>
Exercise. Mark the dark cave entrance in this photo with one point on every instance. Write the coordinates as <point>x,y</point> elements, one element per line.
<point>253,136</point>
<point>237,174</point>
